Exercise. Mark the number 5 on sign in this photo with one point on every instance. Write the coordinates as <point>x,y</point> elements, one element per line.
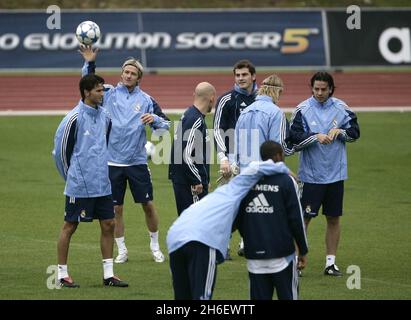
<point>295,39</point>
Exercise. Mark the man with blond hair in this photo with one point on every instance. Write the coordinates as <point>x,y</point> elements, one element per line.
<point>261,121</point>
<point>131,109</point>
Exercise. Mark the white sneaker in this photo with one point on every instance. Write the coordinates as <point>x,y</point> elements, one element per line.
<point>158,256</point>
<point>121,258</point>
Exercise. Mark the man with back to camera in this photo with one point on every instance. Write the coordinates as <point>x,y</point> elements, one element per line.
<point>261,121</point>
<point>270,220</point>
<point>320,128</point>
<point>189,168</point>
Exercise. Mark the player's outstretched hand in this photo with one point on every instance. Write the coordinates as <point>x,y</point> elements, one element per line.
<point>88,52</point>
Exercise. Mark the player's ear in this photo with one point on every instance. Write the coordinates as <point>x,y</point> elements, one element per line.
<point>278,157</point>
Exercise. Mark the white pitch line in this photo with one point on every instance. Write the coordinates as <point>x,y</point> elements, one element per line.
<point>180,111</point>
<point>388,283</point>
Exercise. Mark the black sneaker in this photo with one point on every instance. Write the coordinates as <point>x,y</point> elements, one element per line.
<point>115,282</point>
<point>240,252</point>
<point>332,271</point>
<point>67,282</point>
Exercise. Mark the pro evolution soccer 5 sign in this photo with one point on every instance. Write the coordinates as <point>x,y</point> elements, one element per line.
<point>175,39</point>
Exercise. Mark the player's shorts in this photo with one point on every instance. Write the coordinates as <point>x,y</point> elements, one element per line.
<point>87,209</point>
<point>184,197</point>
<point>139,180</point>
<point>329,196</point>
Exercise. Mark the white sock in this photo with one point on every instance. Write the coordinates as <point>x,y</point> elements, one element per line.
<point>329,260</point>
<point>108,268</point>
<point>121,245</point>
<point>62,271</point>
<point>154,245</point>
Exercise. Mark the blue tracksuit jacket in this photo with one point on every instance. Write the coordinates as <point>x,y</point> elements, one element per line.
<point>128,134</point>
<point>80,152</point>
<point>322,163</point>
<point>259,122</point>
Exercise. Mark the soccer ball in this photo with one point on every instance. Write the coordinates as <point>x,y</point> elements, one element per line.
<point>150,149</point>
<point>88,32</point>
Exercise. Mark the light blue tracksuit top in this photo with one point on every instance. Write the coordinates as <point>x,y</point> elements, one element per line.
<point>210,220</point>
<point>323,163</point>
<point>259,122</point>
<point>128,133</point>
<point>80,152</point>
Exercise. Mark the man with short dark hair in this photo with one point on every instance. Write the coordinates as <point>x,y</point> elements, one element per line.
<point>228,109</point>
<point>320,128</point>
<point>80,154</point>
<point>270,220</point>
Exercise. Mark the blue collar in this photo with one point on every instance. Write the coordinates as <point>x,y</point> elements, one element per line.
<point>123,87</point>
<point>88,109</point>
<point>264,98</point>
<point>327,103</point>
<point>198,110</point>
<point>245,92</point>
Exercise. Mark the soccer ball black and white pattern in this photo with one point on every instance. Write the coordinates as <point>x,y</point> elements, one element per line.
<point>88,32</point>
<point>150,149</point>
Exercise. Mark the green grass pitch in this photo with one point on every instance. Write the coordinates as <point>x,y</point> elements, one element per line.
<point>375,227</point>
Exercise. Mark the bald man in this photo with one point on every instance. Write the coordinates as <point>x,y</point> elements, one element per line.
<point>189,168</point>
